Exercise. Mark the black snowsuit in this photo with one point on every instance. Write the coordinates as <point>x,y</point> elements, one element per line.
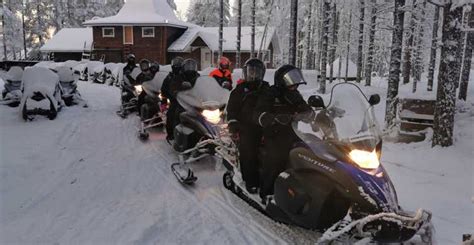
<point>141,78</point>
<point>278,138</point>
<point>172,84</point>
<point>240,108</point>
<point>127,93</point>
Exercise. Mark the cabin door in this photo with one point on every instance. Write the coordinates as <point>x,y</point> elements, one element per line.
<point>206,58</point>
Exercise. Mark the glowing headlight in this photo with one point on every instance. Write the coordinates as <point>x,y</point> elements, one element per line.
<point>365,159</point>
<point>138,88</point>
<point>213,116</point>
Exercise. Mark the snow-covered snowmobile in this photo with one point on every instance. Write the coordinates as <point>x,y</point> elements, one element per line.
<point>112,73</point>
<point>153,109</point>
<point>130,93</point>
<point>95,71</point>
<point>12,93</point>
<point>201,125</point>
<point>334,181</point>
<point>41,93</point>
<point>69,92</point>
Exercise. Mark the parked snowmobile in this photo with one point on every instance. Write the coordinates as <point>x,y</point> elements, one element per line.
<point>201,125</point>
<point>334,181</point>
<point>153,110</point>
<point>41,93</point>
<point>95,71</point>
<point>12,93</point>
<point>69,92</point>
<point>112,73</point>
<point>130,93</point>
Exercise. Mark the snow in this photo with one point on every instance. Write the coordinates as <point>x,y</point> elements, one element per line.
<point>39,79</point>
<point>86,178</point>
<point>146,12</point>
<point>70,40</point>
<point>210,35</point>
<point>14,74</point>
<point>352,68</point>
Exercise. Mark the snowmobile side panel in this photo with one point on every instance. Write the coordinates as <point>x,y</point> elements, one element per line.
<point>185,138</point>
<point>316,204</point>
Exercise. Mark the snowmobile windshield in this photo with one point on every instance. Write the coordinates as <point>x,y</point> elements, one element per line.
<point>154,86</point>
<point>348,120</point>
<point>205,95</point>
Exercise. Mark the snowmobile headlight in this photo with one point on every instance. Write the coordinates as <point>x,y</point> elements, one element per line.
<point>365,159</point>
<point>213,116</point>
<point>138,88</point>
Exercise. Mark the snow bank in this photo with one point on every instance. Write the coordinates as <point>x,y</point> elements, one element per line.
<point>14,74</point>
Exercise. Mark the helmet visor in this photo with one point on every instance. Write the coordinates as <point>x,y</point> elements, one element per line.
<point>254,73</point>
<point>224,66</point>
<point>144,66</point>
<point>293,78</point>
<point>177,62</point>
<point>190,65</point>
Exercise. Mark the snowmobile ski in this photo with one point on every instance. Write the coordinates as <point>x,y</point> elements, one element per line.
<point>183,173</point>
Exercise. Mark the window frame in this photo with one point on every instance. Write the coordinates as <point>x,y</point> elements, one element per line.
<point>108,28</point>
<point>124,35</point>
<point>148,27</point>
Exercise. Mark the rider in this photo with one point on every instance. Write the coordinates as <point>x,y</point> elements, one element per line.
<point>223,75</point>
<point>274,112</point>
<point>145,75</point>
<point>184,80</point>
<point>241,104</point>
<point>128,80</point>
<point>167,93</point>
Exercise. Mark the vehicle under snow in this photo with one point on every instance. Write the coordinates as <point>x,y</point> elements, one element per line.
<point>41,93</point>
<point>11,94</point>
<point>69,92</point>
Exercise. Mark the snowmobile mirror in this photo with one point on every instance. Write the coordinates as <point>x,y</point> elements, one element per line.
<point>316,101</point>
<point>374,99</point>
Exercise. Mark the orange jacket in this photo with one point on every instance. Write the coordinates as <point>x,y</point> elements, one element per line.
<point>219,74</point>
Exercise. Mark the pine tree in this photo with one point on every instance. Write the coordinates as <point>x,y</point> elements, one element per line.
<point>434,41</point>
<point>418,59</point>
<point>448,76</point>
<point>466,67</point>
<point>206,13</point>
<point>361,40</point>
<point>395,57</point>
<point>324,48</point>
<point>409,45</point>
<point>293,31</point>
<point>370,54</point>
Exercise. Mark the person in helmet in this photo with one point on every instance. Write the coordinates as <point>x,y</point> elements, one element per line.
<point>247,134</point>
<point>222,74</point>
<point>274,112</point>
<point>182,77</point>
<point>146,72</point>
<point>127,70</point>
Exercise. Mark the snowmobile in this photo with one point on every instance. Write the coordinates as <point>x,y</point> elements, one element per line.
<point>95,70</point>
<point>12,93</point>
<point>153,109</point>
<point>201,125</point>
<point>334,182</point>
<point>41,93</point>
<point>130,93</point>
<point>112,73</point>
<point>69,92</point>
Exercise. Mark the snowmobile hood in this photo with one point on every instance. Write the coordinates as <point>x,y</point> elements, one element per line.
<point>206,94</point>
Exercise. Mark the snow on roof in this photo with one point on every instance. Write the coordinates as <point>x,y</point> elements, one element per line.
<point>352,68</point>
<point>146,12</point>
<point>210,35</point>
<point>69,40</point>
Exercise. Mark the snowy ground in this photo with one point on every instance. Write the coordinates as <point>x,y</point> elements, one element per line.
<point>85,178</point>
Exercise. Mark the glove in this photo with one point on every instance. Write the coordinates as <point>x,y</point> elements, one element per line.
<point>186,85</point>
<point>306,117</point>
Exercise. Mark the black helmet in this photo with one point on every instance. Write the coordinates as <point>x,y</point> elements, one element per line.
<point>144,64</point>
<point>189,65</point>
<point>287,76</point>
<point>176,64</point>
<point>131,57</point>
<point>155,67</point>
<point>254,70</point>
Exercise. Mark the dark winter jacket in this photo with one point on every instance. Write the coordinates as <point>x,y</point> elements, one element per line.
<point>242,102</point>
<point>275,104</point>
<point>127,70</point>
<point>144,76</point>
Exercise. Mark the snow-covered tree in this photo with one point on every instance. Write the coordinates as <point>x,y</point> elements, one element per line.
<point>467,56</point>
<point>449,70</point>
<point>206,12</point>
<point>324,47</point>
<point>371,47</point>
<point>395,57</point>
<point>361,40</point>
<point>434,40</point>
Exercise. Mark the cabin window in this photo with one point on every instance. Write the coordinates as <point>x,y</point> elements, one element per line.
<point>148,31</point>
<point>128,35</point>
<point>108,32</point>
